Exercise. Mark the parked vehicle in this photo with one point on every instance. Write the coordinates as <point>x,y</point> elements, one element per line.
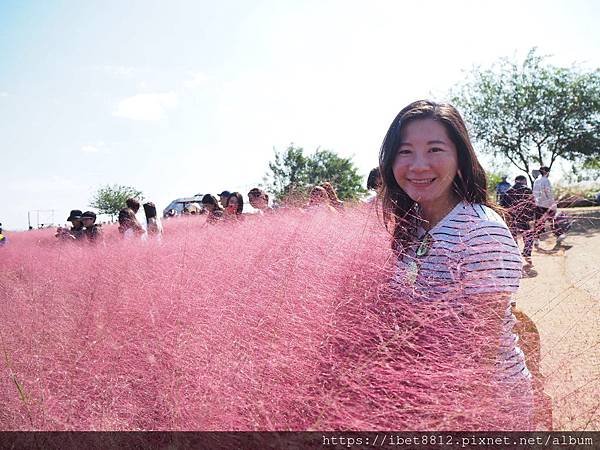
<point>177,206</point>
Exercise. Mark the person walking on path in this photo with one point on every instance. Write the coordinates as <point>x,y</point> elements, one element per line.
<point>545,204</point>
<point>520,205</point>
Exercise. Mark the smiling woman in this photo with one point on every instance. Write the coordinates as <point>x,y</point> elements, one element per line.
<point>455,252</point>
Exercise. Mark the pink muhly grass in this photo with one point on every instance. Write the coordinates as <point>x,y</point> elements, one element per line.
<point>284,322</point>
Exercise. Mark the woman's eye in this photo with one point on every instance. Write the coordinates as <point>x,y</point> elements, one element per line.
<point>436,149</point>
<point>403,151</point>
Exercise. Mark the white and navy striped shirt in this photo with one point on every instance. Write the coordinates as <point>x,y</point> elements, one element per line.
<point>472,252</point>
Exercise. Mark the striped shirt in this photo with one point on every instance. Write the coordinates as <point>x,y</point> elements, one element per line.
<point>471,251</point>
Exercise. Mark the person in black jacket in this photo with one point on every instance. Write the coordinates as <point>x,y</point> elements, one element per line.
<point>520,204</point>
<point>93,231</point>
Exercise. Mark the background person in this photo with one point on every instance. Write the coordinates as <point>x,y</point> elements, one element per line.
<point>215,212</point>
<point>501,188</point>
<point>3,238</point>
<point>374,183</point>
<point>259,200</point>
<point>234,206</point>
<point>545,203</point>
<point>319,199</point>
<point>153,224</point>
<point>520,205</point>
<point>223,196</point>
<point>333,197</point>
<point>93,231</point>
<point>129,226</point>
<point>76,224</point>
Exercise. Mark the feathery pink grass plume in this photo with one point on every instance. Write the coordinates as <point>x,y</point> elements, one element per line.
<point>285,322</point>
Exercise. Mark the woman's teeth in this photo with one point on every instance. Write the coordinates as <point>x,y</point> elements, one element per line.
<point>427,181</point>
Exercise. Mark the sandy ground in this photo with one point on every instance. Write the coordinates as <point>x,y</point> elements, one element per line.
<point>562,296</point>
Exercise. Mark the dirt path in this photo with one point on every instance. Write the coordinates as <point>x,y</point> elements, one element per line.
<point>563,299</point>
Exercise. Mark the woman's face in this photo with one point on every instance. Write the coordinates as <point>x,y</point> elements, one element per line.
<point>232,205</point>
<point>257,201</point>
<point>209,207</point>
<point>426,163</point>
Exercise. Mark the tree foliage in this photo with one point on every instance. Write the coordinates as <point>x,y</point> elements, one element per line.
<point>111,199</point>
<point>493,180</point>
<point>292,173</point>
<point>533,113</point>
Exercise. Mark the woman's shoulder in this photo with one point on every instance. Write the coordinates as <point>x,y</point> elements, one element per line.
<point>484,226</point>
<point>471,216</point>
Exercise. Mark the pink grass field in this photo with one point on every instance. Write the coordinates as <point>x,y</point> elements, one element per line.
<point>285,322</point>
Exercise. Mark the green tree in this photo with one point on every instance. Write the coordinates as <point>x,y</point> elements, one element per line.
<point>292,173</point>
<point>287,172</point>
<point>533,113</point>
<point>493,179</point>
<point>111,199</point>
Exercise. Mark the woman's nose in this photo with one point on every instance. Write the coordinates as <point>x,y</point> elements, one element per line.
<point>419,162</point>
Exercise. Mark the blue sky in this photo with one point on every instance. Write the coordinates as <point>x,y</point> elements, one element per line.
<point>184,97</point>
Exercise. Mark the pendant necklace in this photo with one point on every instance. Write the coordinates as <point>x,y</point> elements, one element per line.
<point>414,265</point>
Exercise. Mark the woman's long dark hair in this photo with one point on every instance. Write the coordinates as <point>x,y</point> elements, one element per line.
<point>240,202</point>
<point>210,199</point>
<point>469,184</point>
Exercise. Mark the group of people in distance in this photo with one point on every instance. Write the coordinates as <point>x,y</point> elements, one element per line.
<point>131,227</point>
<point>529,210</point>
<point>84,227</point>
<point>230,205</point>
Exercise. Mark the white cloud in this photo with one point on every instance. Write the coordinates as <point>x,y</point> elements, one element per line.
<point>90,149</point>
<point>3,94</point>
<point>196,80</point>
<point>150,107</point>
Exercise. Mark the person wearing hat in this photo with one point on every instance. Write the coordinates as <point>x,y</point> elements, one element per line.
<point>93,231</point>
<point>223,197</point>
<point>76,224</point>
